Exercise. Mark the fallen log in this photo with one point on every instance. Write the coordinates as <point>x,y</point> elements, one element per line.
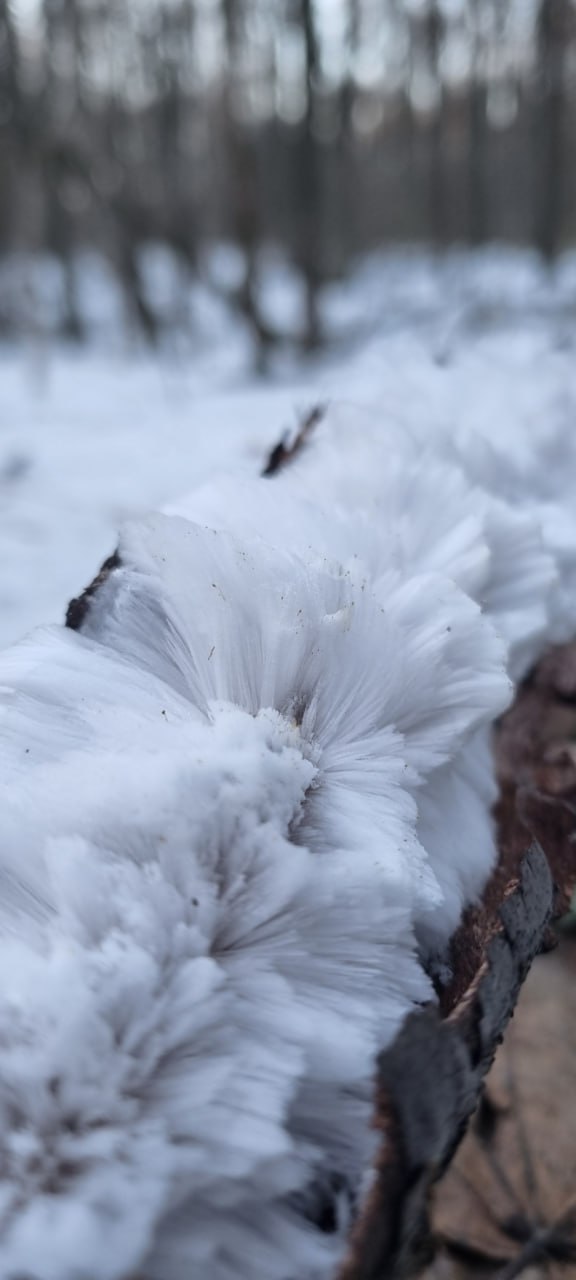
<point>430,1080</point>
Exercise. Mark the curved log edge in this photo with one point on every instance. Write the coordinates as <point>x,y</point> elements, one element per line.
<point>430,1080</point>
<point>429,1083</point>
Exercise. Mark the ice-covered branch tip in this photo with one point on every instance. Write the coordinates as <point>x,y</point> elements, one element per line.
<point>248,798</point>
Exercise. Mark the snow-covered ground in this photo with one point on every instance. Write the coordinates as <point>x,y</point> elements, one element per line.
<point>88,438</point>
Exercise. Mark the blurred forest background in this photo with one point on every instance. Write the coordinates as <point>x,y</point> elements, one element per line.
<point>319,130</point>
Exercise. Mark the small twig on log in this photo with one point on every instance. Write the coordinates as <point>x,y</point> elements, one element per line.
<point>288,446</point>
<point>78,608</point>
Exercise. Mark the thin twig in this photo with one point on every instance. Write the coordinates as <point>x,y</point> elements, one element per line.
<point>287,448</point>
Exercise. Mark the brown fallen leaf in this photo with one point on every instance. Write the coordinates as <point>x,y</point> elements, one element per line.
<point>507,1204</point>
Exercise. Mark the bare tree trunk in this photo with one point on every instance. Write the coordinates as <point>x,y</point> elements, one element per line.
<point>243,175</point>
<point>477,137</point>
<point>310,183</point>
<point>348,178</point>
<point>437,201</point>
<point>554,30</point>
<point>10,123</point>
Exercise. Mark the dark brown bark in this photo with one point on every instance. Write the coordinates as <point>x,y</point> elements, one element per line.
<point>430,1081</point>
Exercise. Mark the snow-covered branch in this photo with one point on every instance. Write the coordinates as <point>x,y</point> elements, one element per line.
<point>247,810</point>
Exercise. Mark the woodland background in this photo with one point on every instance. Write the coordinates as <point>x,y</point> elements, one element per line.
<point>312,132</point>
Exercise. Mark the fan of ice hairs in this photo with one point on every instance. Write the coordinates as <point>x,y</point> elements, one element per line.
<point>231,816</point>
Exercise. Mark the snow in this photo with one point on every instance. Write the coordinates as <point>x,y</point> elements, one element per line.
<point>87,439</point>
<point>232,805</point>
<point>100,440</point>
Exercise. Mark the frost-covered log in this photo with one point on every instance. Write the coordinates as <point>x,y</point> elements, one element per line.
<point>247,823</point>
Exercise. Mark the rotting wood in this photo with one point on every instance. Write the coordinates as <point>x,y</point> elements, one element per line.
<point>431,1079</point>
